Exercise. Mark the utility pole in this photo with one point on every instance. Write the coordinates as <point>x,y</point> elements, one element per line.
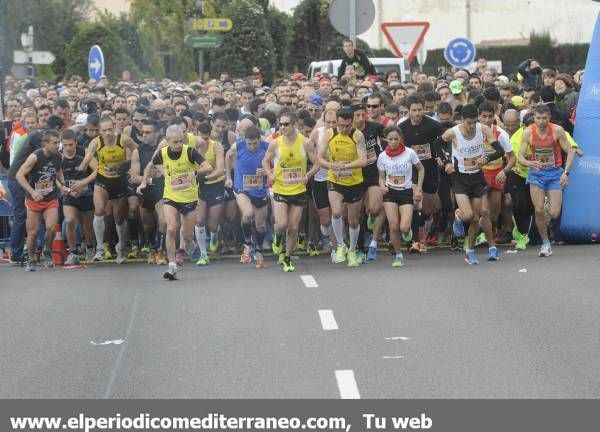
<point>200,14</point>
<point>468,7</point>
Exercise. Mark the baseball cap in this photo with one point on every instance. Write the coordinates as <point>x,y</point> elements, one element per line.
<point>518,101</point>
<point>456,87</point>
<point>81,119</point>
<point>298,76</point>
<point>315,100</point>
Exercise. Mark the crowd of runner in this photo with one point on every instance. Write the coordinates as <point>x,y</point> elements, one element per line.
<point>337,165</point>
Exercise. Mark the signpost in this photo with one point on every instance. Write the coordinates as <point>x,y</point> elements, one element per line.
<point>210,24</point>
<point>37,57</point>
<point>25,59</point>
<point>95,63</point>
<point>352,17</point>
<point>460,52</point>
<point>203,40</point>
<point>405,37</point>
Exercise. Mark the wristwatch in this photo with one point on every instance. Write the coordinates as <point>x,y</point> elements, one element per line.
<point>567,172</point>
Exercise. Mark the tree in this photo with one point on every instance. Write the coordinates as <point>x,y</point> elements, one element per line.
<point>54,23</point>
<point>279,28</point>
<point>313,36</point>
<point>247,44</point>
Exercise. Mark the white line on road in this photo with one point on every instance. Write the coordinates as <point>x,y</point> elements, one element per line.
<point>397,338</point>
<point>328,320</point>
<point>392,357</point>
<point>347,384</point>
<point>309,281</point>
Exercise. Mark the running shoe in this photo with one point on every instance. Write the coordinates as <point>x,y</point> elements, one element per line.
<point>288,267</point>
<point>417,247</point>
<point>146,249</point>
<point>481,239</point>
<point>171,274</point>
<point>89,253</point>
<point>522,242</point>
<point>471,258</point>
<point>455,244</point>
<point>134,253</point>
<point>313,249</point>
<point>398,261</point>
<point>546,250</point>
<point>353,260</point>
<point>493,254</point>
<point>72,259</point>
<point>432,239</point>
<point>100,254</point>
<point>407,237</point>
<point>161,258</point>
<point>202,260</point>
<point>372,254</point>
<point>281,258</point>
<point>301,245</point>
<point>361,257</point>
<point>213,245</point>
<point>29,267</point>
<point>152,257</point>
<point>107,253</point>
<point>260,260</point>
<point>246,258</point>
<point>340,254</point>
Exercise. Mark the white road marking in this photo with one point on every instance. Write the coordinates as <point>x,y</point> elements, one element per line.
<point>393,357</point>
<point>347,384</point>
<point>328,320</point>
<point>309,281</point>
<point>397,338</point>
<point>115,342</point>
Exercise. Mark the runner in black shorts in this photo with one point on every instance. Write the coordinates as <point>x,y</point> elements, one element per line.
<point>420,132</point>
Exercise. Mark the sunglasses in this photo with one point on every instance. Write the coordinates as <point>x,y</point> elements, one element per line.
<point>284,124</point>
<point>373,106</point>
<point>286,103</point>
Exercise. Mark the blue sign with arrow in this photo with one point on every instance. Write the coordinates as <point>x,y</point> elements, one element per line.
<point>95,63</point>
<point>460,52</point>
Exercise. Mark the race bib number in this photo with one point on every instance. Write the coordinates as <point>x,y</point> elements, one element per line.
<point>346,172</point>
<point>111,170</point>
<point>292,175</point>
<point>44,187</point>
<point>252,182</point>
<point>180,182</point>
<point>545,157</point>
<point>371,156</point>
<point>396,181</point>
<point>423,151</point>
<point>470,164</point>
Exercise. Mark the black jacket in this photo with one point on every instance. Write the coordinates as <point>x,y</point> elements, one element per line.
<point>361,64</point>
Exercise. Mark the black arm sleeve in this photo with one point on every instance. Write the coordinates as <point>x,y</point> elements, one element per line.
<point>442,149</point>
<point>194,156</point>
<point>342,69</point>
<point>498,153</point>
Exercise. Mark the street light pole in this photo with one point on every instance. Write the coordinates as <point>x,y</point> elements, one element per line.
<point>468,5</point>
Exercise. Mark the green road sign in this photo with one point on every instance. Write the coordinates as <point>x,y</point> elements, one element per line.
<point>203,41</point>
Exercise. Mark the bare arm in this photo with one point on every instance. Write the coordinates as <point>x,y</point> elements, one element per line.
<point>220,162</point>
<point>89,154</point>
<point>22,173</point>
<point>135,169</point>
<point>268,160</point>
<point>230,156</point>
<point>323,146</point>
<point>309,147</point>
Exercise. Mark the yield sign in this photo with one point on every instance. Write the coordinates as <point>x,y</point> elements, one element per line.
<point>405,37</point>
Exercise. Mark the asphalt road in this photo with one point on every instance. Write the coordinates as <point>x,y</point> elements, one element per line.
<point>436,328</point>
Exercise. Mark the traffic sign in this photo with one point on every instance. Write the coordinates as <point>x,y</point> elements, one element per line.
<point>210,24</point>
<point>95,63</point>
<point>37,57</point>
<point>460,52</point>
<point>352,17</point>
<point>405,37</point>
<point>203,41</point>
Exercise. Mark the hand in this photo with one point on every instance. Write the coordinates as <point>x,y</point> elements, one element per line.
<point>260,172</point>
<point>65,190</point>
<point>564,180</point>
<point>228,183</point>
<point>501,177</point>
<point>383,189</point>
<point>439,162</point>
<point>305,179</point>
<point>37,196</point>
<point>417,195</point>
<point>140,188</point>
<point>482,161</point>
<point>75,193</point>
<point>579,152</point>
<point>449,168</point>
<point>77,185</point>
<point>535,165</point>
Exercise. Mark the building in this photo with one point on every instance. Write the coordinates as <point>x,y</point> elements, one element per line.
<point>115,6</point>
<point>567,22</point>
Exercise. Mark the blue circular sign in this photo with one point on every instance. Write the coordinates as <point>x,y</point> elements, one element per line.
<point>460,52</point>
<point>95,63</point>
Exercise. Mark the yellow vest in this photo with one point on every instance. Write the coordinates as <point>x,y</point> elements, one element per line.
<point>488,149</point>
<point>290,167</point>
<point>110,158</point>
<point>342,148</point>
<point>211,157</point>
<point>180,177</point>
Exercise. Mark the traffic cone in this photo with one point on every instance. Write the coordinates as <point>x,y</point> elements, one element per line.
<point>59,250</point>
